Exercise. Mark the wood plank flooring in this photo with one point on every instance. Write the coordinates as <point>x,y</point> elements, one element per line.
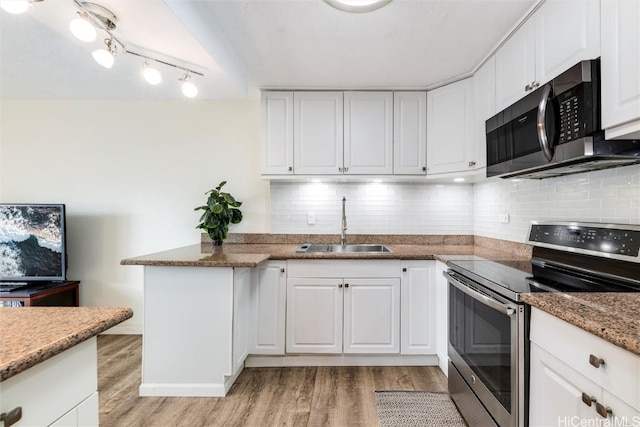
<point>301,396</point>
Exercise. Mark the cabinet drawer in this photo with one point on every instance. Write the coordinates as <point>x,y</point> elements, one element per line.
<point>620,373</point>
<point>343,268</point>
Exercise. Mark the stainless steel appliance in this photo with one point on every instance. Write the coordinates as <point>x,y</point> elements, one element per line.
<point>489,324</point>
<point>556,130</point>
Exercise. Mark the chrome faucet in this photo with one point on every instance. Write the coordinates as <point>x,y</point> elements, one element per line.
<point>343,235</point>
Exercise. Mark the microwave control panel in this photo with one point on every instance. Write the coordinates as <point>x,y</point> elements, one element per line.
<point>572,125</point>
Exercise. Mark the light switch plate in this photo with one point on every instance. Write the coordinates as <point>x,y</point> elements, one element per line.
<point>311,218</point>
<point>504,218</point>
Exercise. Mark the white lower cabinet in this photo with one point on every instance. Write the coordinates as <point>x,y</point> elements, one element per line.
<point>61,391</point>
<point>241,314</point>
<point>343,306</point>
<point>268,299</point>
<point>567,389</point>
<point>442,316</point>
<point>418,332</point>
<point>350,315</point>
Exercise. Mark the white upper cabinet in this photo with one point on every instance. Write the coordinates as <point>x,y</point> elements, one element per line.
<point>410,133</point>
<point>559,35</point>
<point>277,133</point>
<point>318,132</point>
<point>515,66</point>
<point>368,133</point>
<point>484,86</point>
<point>450,135</point>
<point>621,68</point>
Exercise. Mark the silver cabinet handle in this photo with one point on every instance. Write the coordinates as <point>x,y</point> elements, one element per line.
<point>340,285</point>
<point>282,270</point>
<point>472,164</point>
<point>542,126</point>
<point>404,269</point>
<point>11,417</point>
<point>603,411</point>
<point>588,400</point>
<point>346,285</point>
<point>527,88</point>
<point>424,169</point>
<point>346,169</point>
<point>535,85</point>
<point>595,361</point>
<point>290,168</point>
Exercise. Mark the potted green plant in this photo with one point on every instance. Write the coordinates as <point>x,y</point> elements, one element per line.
<point>220,210</point>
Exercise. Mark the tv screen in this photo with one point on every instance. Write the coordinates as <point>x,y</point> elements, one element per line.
<point>32,243</point>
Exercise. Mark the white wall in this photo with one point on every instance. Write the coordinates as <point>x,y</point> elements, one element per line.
<point>130,173</point>
<point>372,208</point>
<point>610,196</point>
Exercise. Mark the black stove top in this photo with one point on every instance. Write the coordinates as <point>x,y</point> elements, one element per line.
<point>564,259</point>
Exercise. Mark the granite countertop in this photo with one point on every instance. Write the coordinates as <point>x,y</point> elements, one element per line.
<point>31,335</point>
<point>611,316</point>
<point>260,249</point>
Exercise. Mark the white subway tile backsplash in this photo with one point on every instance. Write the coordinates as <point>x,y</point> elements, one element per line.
<point>611,195</point>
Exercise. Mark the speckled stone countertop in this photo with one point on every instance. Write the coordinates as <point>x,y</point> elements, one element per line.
<point>31,335</point>
<point>612,316</point>
<point>250,251</point>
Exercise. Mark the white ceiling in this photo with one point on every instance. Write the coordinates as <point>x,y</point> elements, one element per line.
<point>244,45</point>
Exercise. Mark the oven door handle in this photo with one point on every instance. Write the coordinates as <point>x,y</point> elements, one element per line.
<point>486,300</point>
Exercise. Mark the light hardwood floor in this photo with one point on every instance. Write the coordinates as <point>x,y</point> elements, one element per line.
<point>306,396</point>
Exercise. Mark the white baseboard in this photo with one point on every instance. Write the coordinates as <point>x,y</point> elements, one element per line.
<point>183,390</point>
<point>259,361</point>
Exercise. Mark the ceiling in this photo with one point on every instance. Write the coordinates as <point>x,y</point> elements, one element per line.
<point>244,45</point>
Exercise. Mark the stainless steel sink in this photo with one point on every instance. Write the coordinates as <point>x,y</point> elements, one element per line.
<point>319,249</point>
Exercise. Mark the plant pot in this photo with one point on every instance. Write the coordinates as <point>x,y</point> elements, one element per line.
<point>217,242</point>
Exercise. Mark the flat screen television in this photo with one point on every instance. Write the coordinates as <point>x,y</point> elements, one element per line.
<point>32,243</point>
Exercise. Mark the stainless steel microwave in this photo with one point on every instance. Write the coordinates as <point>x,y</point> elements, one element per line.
<point>556,131</point>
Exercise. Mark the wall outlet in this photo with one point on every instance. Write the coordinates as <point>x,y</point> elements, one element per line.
<point>504,218</point>
<point>311,218</point>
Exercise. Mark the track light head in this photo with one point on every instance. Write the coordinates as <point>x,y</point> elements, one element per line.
<point>188,89</point>
<point>151,75</point>
<point>14,7</point>
<point>105,57</point>
<point>82,28</point>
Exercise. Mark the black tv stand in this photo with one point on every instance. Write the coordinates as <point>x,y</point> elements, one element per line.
<point>58,294</point>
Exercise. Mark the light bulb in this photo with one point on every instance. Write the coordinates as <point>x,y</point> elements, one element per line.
<point>103,57</point>
<point>151,75</point>
<point>14,7</point>
<point>188,89</point>
<point>82,29</point>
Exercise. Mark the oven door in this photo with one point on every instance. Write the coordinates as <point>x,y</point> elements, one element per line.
<point>487,339</point>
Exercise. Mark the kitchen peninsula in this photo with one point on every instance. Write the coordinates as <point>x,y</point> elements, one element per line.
<point>203,324</point>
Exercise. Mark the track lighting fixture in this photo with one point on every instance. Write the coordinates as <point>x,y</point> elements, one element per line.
<point>105,57</point>
<point>188,89</point>
<point>16,7</point>
<point>151,75</point>
<point>92,17</point>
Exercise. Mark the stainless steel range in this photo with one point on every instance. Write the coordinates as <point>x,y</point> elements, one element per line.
<point>489,324</point>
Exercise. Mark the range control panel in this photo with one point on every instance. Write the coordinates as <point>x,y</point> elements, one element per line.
<point>621,241</point>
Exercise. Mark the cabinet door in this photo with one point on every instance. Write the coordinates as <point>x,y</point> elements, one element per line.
<point>418,308</point>
<point>268,298</point>
<point>442,316</point>
<point>89,411</point>
<point>484,87</point>
<point>318,132</point>
<point>314,315</point>
<point>241,312</point>
<point>368,133</point>
<point>567,32</point>
<point>372,315</point>
<point>277,133</point>
<point>620,64</point>
<point>556,392</point>
<point>515,66</point>
<point>410,133</point>
<point>450,128</point>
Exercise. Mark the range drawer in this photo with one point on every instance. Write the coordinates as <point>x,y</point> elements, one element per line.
<point>620,372</point>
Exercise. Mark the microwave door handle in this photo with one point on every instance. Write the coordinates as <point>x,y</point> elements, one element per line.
<point>478,296</point>
<point>542,125</point>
